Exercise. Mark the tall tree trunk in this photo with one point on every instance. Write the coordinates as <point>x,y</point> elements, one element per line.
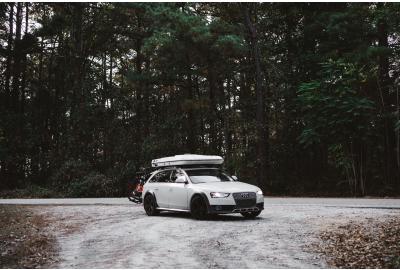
<point>17,59</point>
<point>24,62</point>
<point>228,121</point>
<point>398,133</point>
<point>388,103</point>
<point>76,77</point>
<point>139,92</point>
<point>104,105</point>
<point>9,56</point>
<point>191,126</point>
<point>110,82</point>
<point>262,125</point>
<point>212,110</point>
<point>202,145</point>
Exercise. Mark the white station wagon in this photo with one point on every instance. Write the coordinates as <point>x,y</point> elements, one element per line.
<point>196,184</point>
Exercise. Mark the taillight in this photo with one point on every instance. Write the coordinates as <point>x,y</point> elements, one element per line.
<point>139,188</point>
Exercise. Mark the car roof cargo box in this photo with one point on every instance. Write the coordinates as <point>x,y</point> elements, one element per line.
<point>187,160</point>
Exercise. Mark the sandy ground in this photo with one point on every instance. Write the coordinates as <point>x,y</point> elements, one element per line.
<point>115,233</point>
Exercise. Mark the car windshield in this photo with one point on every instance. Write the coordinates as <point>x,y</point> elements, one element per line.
<point>207,176</point>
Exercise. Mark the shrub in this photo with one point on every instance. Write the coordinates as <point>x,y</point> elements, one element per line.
<point>93,185</point>
<point>30,191</point>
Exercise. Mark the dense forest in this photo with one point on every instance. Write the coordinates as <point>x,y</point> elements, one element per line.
<point>299,98</point>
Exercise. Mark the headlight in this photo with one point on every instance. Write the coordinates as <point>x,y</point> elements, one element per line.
<point>259,192</point>
<point>219,194</point>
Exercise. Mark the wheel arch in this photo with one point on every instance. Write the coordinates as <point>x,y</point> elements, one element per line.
<point>150,192</point>
<point>203,196</point>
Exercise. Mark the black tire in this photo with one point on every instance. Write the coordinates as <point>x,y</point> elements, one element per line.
<point>150,205</point>
<point>198,208</point>
<point>131,196</point>
<point>251,214</point>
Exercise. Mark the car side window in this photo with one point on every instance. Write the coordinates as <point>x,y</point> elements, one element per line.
<point>175,174</point>
<point>161,177</point>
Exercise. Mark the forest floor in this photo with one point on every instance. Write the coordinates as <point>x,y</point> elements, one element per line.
<point>289,233</point>
<point>365,243</point>
<point>25,241</point>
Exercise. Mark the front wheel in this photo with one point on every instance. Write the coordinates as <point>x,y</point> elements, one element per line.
<point>198,208</point>
<point>150,205</point>
<point>251,214</point>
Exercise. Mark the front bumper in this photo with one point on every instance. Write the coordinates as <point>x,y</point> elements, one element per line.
<point>227,209</point>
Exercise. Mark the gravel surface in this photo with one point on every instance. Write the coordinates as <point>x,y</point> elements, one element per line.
<point>114,233</point>
<point>334,202</point>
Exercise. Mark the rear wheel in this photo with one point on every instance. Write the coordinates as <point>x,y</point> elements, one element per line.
<point>150,205</point>
<point>198,208</point>
<point>251,214</point>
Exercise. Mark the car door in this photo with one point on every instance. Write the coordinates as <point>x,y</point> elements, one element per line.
<point>178,198</point>
<point>160,188</point>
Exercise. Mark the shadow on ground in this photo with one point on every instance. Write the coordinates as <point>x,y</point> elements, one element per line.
<point>227,217</point>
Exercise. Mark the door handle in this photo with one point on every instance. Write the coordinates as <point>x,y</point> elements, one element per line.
<point>170,189</point>
<point>156,189</point>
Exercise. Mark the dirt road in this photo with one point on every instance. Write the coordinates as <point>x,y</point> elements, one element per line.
<point>114,233</point>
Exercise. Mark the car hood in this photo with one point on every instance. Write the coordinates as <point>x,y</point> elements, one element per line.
<point>227,187</point>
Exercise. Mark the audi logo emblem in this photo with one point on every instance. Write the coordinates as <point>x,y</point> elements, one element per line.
<point>245,195</point>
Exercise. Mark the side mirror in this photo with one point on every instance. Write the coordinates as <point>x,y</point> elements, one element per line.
<point>234,177</point>
<point>181,179</point>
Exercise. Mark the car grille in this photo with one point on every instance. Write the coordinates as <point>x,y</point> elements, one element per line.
<point>244,199</point>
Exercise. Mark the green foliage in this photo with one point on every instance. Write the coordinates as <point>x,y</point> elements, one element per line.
<point>30,191</point>
<point>340,157</point>
<point>78,179</point>
<point>70,171</point>
<point>397,126</point>
<point>94,91</point>
<point>334,109</point>
<point>93,185</point>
